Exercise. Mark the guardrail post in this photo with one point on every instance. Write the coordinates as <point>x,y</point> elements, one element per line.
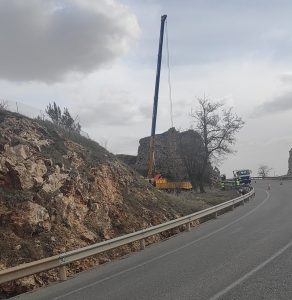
<point>242,203</point>
<point>188,228</point>
<point>63,273</point>
<point>142,244</point>
<point>215,215</point>
<point>232,207</point>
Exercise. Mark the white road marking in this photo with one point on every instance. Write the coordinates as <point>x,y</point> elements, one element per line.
<point>250,273</point>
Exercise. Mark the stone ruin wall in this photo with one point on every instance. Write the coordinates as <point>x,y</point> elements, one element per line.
<point>168,161</point>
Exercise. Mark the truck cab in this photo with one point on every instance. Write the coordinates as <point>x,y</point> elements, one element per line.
<point>243,176</point>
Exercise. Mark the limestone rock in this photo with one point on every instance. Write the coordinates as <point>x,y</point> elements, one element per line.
<point>35,213</point>
<point>18,152</point>
<point>168,155</point>
<point>20,169</point>
<point>55,180</point>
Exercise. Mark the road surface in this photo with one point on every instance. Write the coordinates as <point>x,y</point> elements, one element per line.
<point>243,254</point>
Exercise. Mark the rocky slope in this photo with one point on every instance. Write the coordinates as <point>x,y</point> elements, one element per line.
<point>61,191</point>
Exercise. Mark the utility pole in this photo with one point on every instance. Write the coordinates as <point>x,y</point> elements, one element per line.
<point>155,103</point>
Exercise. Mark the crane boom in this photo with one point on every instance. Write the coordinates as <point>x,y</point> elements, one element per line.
<point>155,103</point>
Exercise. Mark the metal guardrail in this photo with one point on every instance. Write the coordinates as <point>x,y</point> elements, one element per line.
<point>60,261</point>
<point>272,178</point>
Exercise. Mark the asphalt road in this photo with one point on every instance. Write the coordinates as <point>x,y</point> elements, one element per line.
<point>243,254</point>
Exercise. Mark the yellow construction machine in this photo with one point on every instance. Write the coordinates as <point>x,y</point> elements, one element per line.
<point>164,184</point>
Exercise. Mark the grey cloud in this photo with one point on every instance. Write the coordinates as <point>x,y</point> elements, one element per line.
<point>286,78</point>
<point>126,145</point>
<point>111,112</point>
<point>212,31</point>
<point>278,104</point>
<point>46,40</point>
<point>146,111</point>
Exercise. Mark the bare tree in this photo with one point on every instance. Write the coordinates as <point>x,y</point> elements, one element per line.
<point>264,171</point>
<point>217,126</point>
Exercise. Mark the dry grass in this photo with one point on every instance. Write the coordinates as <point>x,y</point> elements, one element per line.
<point>189,202</point>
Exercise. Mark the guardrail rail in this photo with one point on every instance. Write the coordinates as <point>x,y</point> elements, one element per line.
<point>284,177</point>
<point>62,260</point>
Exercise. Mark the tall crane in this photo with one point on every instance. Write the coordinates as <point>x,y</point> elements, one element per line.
<point>155,103</point>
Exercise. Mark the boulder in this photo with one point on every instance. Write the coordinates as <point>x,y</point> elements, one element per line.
<point>55,181</point>
<point>29,218</point>
<point>169,160</point>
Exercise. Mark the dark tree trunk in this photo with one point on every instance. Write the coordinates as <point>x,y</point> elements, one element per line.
<point>194,182</point>
<point>201,185</point>
<point>202,177</point>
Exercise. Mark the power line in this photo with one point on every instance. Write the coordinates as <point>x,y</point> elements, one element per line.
<point>169,78</point>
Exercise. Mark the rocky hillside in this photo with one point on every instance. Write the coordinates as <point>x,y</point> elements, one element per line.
<point>61,191</point>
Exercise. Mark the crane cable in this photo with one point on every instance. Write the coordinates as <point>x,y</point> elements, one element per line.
<point>169,81</point>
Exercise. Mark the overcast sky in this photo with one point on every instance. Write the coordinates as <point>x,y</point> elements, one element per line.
<point>98,58</point>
